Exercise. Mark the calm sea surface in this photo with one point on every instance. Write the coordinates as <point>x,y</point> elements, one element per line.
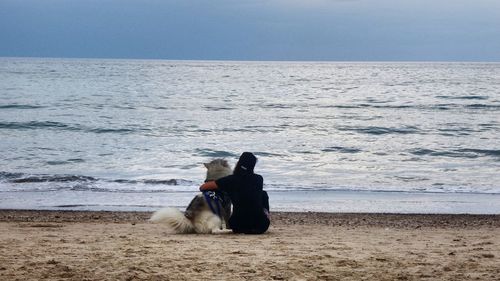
<point>146,127</point>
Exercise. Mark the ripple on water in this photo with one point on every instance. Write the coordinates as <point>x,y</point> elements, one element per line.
<point>213,153</point>
<point>376,130</point>
<point>341,149</point>
<point>472,97</point>
<point>20,106</point>
<point>457,153</point>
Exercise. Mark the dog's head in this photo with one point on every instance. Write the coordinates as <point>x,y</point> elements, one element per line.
<point>217,169</point>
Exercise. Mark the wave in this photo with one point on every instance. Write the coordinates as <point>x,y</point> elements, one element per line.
<point>452,129</point>
<point>341,149</point>
<point>458,153</point>
<point>22,182</point>
<point>226,154</point>
<point>218,108</point>
<point>69,161</point>
<point>364,105</point>
<point>472,97</point>
<point>430,107</point>
<point>277,106</point>
<point>25,178</point>
<point>214,153</point>
<point>20,106</point>
<point>267,154</point>
<point>30,178</point>
<point>151,181</point>
<point>375,130</point>
<point>484,152</point>
<point>483,106</point>
<point>37,125</point>
<point>118,131</point>
<point>125,206</point>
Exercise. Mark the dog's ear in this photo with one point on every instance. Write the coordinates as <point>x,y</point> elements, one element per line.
<point>206,165</point>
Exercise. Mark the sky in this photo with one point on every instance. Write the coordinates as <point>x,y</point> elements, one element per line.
<point>296,30</point>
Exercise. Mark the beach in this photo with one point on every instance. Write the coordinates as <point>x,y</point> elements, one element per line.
<point>91,245</point>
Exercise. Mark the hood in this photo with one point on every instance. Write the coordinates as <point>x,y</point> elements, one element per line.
<point>245,164</point>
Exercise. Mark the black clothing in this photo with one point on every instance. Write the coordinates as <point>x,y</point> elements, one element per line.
<point>249,201</point>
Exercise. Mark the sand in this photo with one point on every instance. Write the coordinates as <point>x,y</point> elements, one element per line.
<point>54,245</point>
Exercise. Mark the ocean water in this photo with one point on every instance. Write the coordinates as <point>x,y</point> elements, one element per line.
<point>132,134</point>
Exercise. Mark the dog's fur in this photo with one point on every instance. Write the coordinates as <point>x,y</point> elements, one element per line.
<point>198,217</point>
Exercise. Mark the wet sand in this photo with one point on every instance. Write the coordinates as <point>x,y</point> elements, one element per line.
<point>71,245</point>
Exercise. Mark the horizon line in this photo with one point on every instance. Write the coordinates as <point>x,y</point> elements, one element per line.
<point>252,60</point>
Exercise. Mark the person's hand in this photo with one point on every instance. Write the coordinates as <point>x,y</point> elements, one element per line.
<point>268,215</point>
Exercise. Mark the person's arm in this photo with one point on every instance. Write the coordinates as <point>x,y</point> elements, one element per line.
<point>209,185</point>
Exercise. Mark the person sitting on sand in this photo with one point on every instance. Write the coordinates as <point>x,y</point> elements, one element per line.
<point>250,203</point>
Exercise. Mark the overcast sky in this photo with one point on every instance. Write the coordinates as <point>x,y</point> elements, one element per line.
<point>334,30</point>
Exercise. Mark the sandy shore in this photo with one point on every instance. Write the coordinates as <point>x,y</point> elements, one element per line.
<point>53,245</point>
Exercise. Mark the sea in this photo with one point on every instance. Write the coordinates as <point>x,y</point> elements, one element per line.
<point>127,135</point>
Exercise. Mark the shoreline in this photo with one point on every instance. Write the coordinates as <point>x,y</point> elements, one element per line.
<point>330,201</point>
<point>393,220</point>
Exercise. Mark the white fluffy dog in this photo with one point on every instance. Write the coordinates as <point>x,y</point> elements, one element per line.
<point>199,216</point>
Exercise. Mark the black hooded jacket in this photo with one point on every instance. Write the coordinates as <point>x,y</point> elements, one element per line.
<point>245,188</point>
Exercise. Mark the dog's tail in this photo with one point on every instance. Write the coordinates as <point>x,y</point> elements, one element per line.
<point>174,218</point>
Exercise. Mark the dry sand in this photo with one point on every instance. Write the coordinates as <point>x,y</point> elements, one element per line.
<point>50,245</point>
